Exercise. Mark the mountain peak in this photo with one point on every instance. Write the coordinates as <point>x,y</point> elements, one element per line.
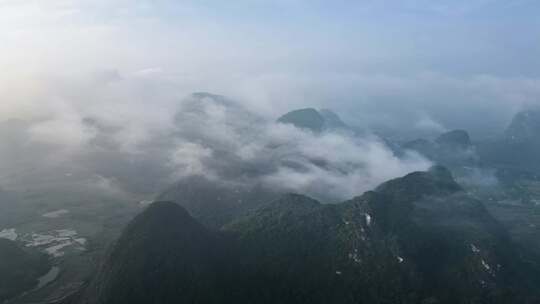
<point>436,181</point>
<point>332,120</point>
<point>307,118</point>
<point>524,126</point>
<point>201,95</point>
<point>455,138</point>
<point>163,245</point>
<point>164,211</point>
<point>197,98</point>
<point>314,120</point>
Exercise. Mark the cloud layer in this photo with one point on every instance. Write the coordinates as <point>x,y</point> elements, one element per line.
<point>207,135</point>
<point>227,142</point>
<point>100,86</point>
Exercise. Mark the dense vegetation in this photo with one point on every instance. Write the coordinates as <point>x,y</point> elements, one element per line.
<point>416,239</point>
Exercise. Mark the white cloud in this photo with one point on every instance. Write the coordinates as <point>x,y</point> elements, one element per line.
<point>334,166</point>
<point>188,159</point>
<point>426,123</point>
<point>234,145</point>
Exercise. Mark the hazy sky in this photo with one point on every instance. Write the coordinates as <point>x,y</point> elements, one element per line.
<point>375,62</point>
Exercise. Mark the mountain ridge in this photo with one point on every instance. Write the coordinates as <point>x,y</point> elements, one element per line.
<point>421,232</point>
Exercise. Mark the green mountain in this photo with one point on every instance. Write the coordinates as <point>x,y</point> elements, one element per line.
<point>519,148</point>
<point>309,119</point>
<point>456,139</point>
<point>163,256</point>
<point>525,126</point>
<point>313,120</point>
<point>453,148</point>
<point>332,120</point>
<point>415,239</point>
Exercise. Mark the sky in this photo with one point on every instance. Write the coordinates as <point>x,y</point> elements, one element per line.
<point>367,59</point>
<point>79,69</point>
